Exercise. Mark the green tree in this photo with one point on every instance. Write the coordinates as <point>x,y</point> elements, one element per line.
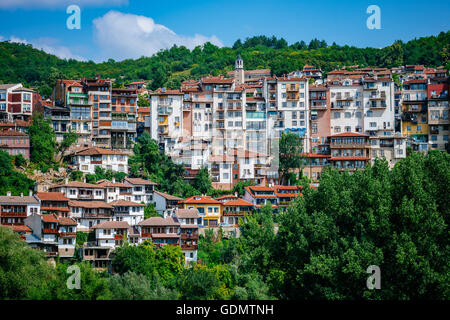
<point>202,181</point>
<point>24,273</point>
<point>42,141</point>
<point>291,148</point>
<point>69,138</point>
<point>11,180</point>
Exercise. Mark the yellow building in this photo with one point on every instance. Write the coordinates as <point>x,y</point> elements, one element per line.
<point>209,209</point>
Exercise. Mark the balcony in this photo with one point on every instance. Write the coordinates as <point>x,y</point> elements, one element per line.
<point>13,214</point>
<point>118,237</point>
<point>68,234</point>
<point>50,231</point>
<point>185,236</point>
<point>86,196</point>
<point>189,247</point>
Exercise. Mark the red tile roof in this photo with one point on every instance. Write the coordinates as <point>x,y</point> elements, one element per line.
<point>98,151</point>
<point>90,204</point>
<point>200,200</point>
<point>238,202</point>
<point>124,203</point>
<point>52,196</point>
<point>350,134</point>
<point>159,221</point>
<point>348,158</point>
<point>112,225</point>
<point>140,181</point>
<point>49,218</point>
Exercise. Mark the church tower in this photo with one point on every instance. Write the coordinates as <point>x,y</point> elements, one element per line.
<point>239,70</point>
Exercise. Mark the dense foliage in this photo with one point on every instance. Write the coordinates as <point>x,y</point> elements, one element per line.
<point>169,67</point>
<point>320,248</point>
<point>150,163</point>
<point>11,180</point>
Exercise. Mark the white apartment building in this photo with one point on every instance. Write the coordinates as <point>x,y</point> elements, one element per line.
<point>128,211</point>
<point>88,159</point>
<point>142,190</point>
<point>111,234</point>
<point>346,100</point>
<point>75,190</point>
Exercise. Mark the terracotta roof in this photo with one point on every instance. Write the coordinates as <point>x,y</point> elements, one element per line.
<point>98,151</point>
<point>90,204</point>
<point>124,203</point>
<point>238,202</point>
<point>18,199</point>
<point>186,213</point>
<point>159,221</point>
<point>49,218</point>
<point>77,184</point>
<point>66,221</point>
<point>20,228</point>
<point>140,181</point>
<point>218,79</point>
<point>200,200</point>
<point>106,183</point>
<point>350,134</point>
<point>53,196</point>
<point>112,225</point>
<point>227,197</point>
<point>12,133</point>
<point>168,196</point>
<point>168,92</point>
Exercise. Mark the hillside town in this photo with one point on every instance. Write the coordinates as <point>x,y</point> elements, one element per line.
<point>231,124</point>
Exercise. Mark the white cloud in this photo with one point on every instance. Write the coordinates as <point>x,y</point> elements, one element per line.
<point>122,36</point>
<point>49,45</point>
<point>50,4</point>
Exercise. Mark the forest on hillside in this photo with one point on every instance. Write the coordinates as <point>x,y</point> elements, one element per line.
<point>32,67</point>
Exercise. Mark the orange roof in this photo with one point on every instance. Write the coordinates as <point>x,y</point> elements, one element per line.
<point>238,202</point>
<point>125,203</point>
<point>90,204</point>
<point>67,221</point>
<point>49,218</point>
<point>140,181</point>
<point>350,134</point>
<point>200,200</point>
<point>227,196</point>
<point>98,151</point>
<point>53,196</point>
<point>167,92</point>
<point>20,228</point>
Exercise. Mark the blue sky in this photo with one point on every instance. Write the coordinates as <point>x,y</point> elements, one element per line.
<point>121,29</point>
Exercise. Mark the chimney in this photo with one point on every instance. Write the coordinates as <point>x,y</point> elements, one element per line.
<point>21,194</point>
<point>235,194</point>
<point>84,179</point>
<point>30,193</point>
<point>113,180</point>
<point>66,180</point>
<point>8,193</point>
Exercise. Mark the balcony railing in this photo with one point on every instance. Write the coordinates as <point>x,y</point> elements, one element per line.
<point>13,214</point>
<point>50,231</point>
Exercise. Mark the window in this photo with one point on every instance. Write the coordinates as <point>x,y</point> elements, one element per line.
<point>336,115</point>
<point>348,115</point>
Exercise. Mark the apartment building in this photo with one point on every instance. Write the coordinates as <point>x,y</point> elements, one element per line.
<point>162,231</point>
<point>209,209</point>
<point>61,123</point>
<point>111,234</point>
<point>188,219</point>
<point>54,203</point>
<point>123,118</point>
<point>346,105</point>
<point>415,113</point>
<point>349,151</point>
<point>319,110</point>
<point>76,190</point>
<point>14,209</point>
<point>90,213</point>
<point>438,109</point>
<point>164,201</point>
<point>142,190</point>
<point>235,209</point>
<point>15,143</point>
<point>130,212</point>
<point>116,190</point>
<point>16,102</point>
<point>87,159</point>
